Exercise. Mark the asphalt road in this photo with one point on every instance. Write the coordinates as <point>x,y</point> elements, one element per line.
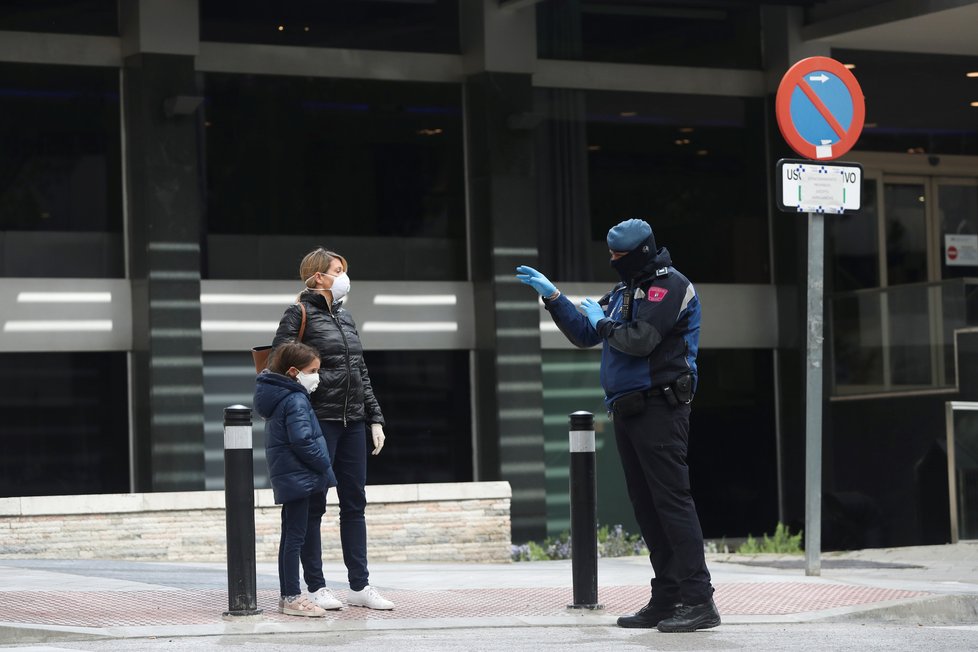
<point>821,637</point>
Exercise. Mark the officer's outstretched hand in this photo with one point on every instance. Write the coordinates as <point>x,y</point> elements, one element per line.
<point>535,280</point>
<point>593,311</point>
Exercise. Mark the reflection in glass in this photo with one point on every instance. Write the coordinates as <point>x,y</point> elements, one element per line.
<point>692,166</point>
<point>398,25</point>
<point>898,338</point>
<point>966,472</point>
<point>366,167</point>
<point>852,246</point>
<point>710,34</point>
<point>97,17</point>
<point>906,232</point>
<point>65,427</point>
<point>60,171</point>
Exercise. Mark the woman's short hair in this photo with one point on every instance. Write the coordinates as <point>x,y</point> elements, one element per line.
<point>292,354</point>
<point>318,260</point>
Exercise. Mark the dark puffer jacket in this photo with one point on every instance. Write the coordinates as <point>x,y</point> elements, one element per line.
<point>344,392</point>
<point>295,449</point>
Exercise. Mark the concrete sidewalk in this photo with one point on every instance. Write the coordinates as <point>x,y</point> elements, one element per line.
<point>120,599</point>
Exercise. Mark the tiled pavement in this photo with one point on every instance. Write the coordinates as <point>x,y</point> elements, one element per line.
<point>123,599</point>
<point>105,609</point>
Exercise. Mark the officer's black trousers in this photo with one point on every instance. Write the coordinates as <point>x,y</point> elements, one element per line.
<point>653,446</point>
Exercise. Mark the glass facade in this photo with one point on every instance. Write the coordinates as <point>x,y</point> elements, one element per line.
<point>944,124</point>
<point>694,168</point>
<point>713,34</point>
<point>65,429</point>
<point>97,17</point>
<point>60,171</point>
<point>417,26</point>
<point>414,167</point>
<point>372,169</point>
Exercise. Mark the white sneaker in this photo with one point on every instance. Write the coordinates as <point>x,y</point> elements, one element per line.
<point>324,599</point>
<point>369,598</point>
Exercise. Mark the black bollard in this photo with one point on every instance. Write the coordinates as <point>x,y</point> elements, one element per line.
<point>239,502</point>
<point>584,515</point>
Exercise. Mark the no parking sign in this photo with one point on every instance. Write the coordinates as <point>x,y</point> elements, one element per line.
<point>820,108</point>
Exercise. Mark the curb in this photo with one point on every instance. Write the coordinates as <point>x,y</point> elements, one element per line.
<point>956,609</point>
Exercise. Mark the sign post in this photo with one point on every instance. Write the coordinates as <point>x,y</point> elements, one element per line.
<point>820,111</point>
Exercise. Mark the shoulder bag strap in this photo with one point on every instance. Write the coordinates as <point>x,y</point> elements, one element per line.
<point>302,328</point>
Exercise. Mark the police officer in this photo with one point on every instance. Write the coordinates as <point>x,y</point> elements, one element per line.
<point>648,327</point>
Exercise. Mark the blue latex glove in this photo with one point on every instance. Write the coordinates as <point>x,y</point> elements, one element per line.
<point>535,280</point>
<point>593,311</point>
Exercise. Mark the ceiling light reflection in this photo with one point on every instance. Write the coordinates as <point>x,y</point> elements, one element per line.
<point>64,297</point>
<point>409,327</point>
<point>415,300</point>
<point>248,299</point>
<point>57,326</point>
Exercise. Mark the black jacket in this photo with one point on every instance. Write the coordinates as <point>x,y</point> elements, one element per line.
<point>344,392</point>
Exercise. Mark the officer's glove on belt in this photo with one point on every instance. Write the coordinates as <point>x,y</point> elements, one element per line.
<point>536,280</point>
<point>593,311</point>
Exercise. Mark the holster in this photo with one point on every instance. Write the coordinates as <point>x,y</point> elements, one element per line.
<point>682,389</point>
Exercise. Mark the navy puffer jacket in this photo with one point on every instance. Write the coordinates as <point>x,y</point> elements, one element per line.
<point>344,392</point>
<point>295,449</point>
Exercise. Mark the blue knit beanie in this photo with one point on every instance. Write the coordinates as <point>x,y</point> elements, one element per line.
<point>629,234</point>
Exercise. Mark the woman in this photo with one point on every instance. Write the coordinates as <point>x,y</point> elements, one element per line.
<point>344,404</point>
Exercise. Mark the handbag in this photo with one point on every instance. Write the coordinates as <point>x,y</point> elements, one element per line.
<point>260,354</point>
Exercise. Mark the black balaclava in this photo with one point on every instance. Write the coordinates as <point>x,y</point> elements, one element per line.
<point>635,261</point>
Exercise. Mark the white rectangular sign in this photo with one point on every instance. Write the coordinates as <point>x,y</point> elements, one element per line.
<point>819,187</point>
<point>960,250</point>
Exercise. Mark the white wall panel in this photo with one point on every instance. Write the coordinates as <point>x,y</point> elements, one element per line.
<point>96,314</point>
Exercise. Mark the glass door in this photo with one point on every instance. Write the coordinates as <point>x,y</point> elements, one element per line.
<point>893,310</point>
<point>956,222</point>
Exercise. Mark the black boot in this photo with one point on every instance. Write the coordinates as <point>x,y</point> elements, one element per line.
<point>690,617</point>
<point>648,616</point>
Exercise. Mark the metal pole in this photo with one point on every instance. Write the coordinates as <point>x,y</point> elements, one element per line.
<point>239,502</point>
<point>813,397</point>
<point>584,513</point>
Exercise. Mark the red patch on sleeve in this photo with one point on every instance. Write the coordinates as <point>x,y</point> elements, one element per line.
<point>656,294</point>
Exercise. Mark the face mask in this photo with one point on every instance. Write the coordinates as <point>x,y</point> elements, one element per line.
<point>631,264</point>
<point>309,381</point>
<point>341,286</point>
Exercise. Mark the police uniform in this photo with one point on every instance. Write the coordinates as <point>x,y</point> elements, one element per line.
<point>650,337</point>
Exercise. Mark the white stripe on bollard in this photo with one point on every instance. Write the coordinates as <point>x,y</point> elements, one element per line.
<point>236,437</point>
<point>581,441</point>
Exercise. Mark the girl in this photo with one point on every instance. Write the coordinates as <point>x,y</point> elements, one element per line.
<point>300,473</point>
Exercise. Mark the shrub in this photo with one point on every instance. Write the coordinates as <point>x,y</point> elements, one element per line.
<point>612,542</point>
<point>783,542</point>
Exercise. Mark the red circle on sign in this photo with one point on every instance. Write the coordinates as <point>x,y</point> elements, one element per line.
<point>791,79</point>
<point>952,252</point>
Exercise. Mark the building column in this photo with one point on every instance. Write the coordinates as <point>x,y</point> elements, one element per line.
<point>163,224</point>
<point>499,48</point>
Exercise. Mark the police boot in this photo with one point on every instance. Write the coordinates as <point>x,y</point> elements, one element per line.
<point>690,617</point>
<point>648,616</point>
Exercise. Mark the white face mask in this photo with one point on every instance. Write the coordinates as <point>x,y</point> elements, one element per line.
<point>341,286</point>
<point>309,381</point>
